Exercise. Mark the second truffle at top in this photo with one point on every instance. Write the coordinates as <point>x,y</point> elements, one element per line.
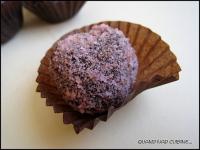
<point>54,11</point>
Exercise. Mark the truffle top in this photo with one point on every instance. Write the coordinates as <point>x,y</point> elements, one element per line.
<point>94,70</point>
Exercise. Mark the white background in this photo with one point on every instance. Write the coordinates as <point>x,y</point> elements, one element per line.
<point>166,112</point>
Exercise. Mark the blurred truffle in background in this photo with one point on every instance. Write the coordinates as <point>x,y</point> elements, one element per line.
<point>54,11</point>
<point>11,19</point>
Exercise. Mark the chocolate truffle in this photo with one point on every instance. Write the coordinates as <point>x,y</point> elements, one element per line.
<point>11,19</point>
<point>94,70</point>
<point>54,11</point>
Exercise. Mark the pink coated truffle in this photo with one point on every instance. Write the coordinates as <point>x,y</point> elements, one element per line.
<point>94,70</point>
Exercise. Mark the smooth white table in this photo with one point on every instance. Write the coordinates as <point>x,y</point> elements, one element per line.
<point>168,112</point>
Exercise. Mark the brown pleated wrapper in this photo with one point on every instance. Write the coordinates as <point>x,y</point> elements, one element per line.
<point>157,66</point>
<point>11,19</point>
<point>54,11</point>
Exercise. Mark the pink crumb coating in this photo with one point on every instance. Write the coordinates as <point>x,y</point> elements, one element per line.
<point>94,70</point>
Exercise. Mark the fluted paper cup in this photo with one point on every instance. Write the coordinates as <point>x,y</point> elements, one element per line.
<point>157,66</point>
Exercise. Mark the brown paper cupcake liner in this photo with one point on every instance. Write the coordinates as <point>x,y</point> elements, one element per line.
<point>11,19</point>
<point>54,11</point>
<point>157,66</point>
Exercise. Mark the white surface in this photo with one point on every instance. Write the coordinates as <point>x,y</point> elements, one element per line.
<point>166,112</point>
